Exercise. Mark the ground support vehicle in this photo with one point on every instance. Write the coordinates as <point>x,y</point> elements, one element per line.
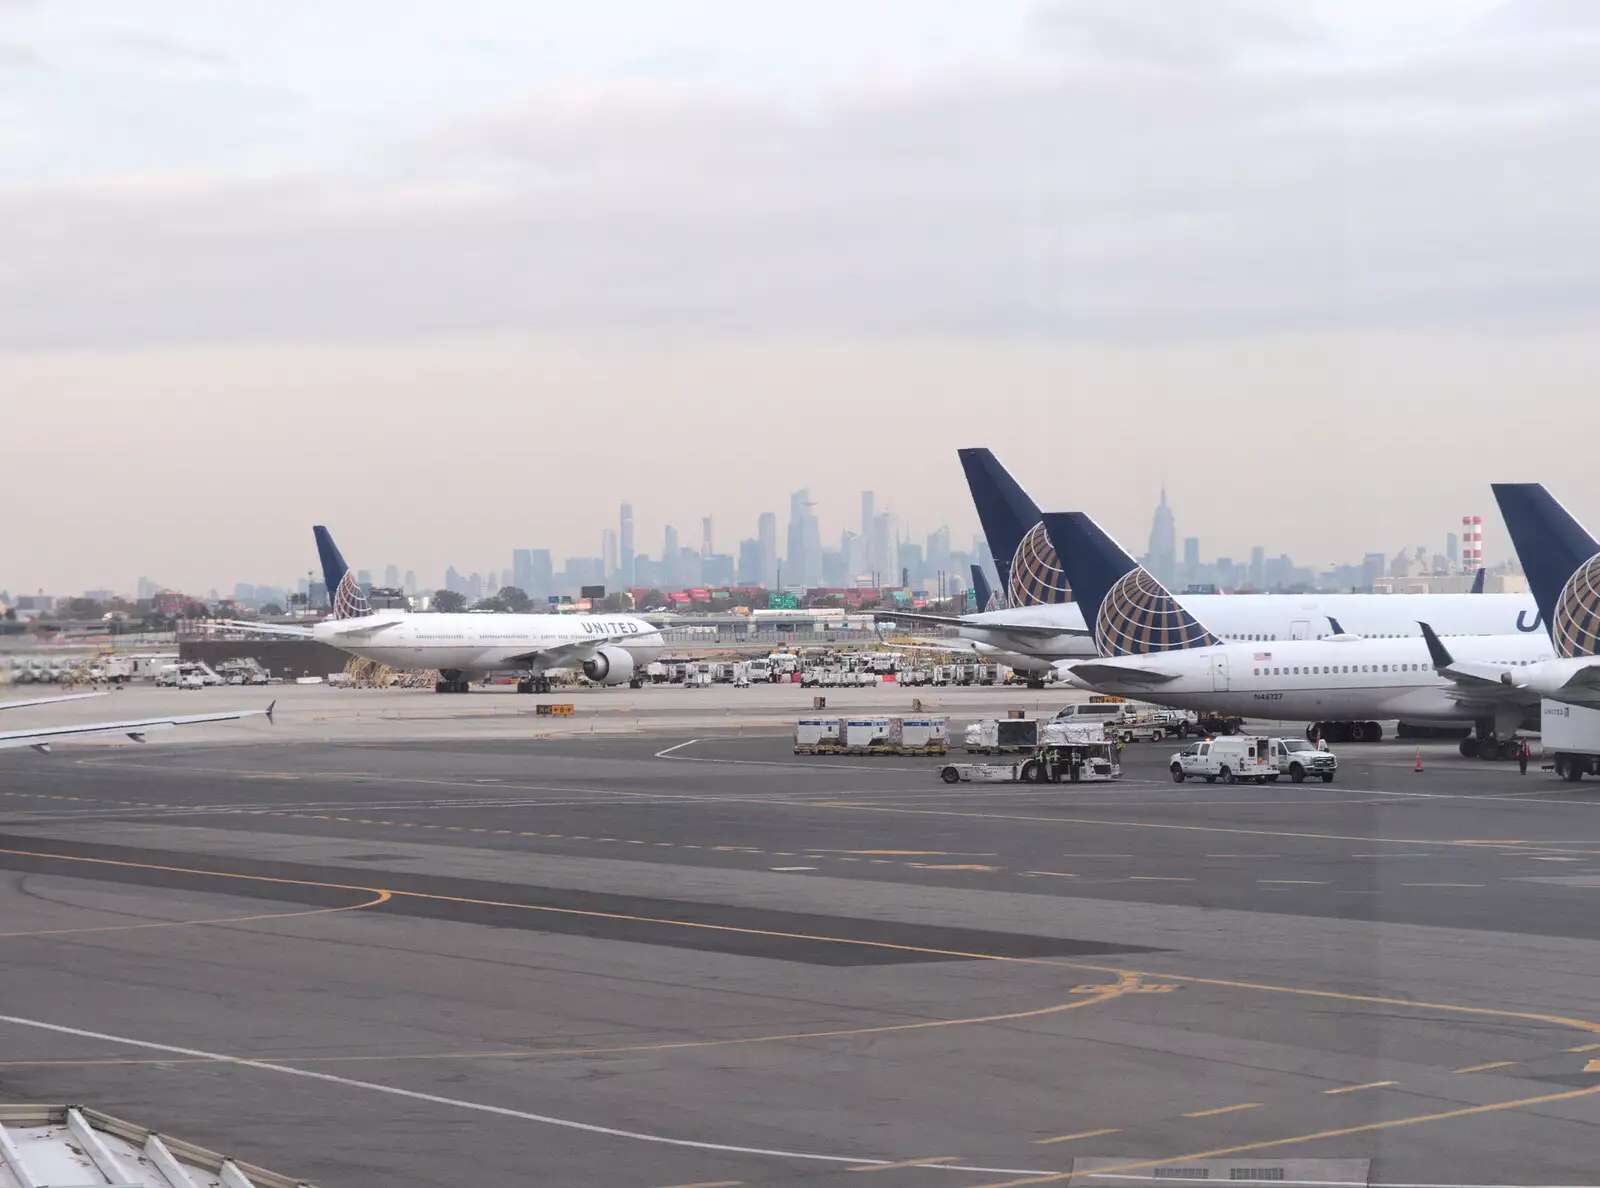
<point>1299,760</point>
<point>1070,754</point>
<point>1571,736</point>
<point>1236,759</point>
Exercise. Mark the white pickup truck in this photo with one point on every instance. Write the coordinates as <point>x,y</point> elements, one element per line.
<point>1297,759</point>
<point>1249,758</point>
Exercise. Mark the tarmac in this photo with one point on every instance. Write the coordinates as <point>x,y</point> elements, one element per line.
<point>400,938</point>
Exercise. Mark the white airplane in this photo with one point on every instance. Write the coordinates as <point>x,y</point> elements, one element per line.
<point>1043,620</point>
<point>610,649</point>
<point>1151,646</point>
<point>137,729</point>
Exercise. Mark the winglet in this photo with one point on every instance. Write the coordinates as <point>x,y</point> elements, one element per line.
<point>1334,623</point>
<point>270,707</point>
<point>1477,581</point>
<point>1436,650</point>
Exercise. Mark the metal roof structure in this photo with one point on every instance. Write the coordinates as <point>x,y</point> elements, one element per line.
<point>63,1146</point>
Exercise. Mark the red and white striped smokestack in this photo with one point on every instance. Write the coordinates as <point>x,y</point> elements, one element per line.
<point>1471,543</point>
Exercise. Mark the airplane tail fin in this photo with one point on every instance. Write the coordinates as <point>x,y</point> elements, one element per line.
<point>344,595</point>
<point>1132,614</point>
<point>1562,562</point>
<point>983,596</point>
<point>1477,581</point>
<point>1023,559</point>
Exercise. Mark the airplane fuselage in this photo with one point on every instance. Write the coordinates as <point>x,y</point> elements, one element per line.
<point>481,644</point>
<point>1325,680</point>
<point>1279,617</point>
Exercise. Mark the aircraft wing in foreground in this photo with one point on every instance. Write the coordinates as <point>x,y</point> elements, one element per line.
<point>135,728</point>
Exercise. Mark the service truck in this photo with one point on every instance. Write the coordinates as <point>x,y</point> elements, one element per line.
<point>1297,759</point>
<point>1571,735</point>
<point>1234,759</point>
<point>1067,752</point>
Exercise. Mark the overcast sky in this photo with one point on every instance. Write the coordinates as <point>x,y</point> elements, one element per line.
<point>457,278</point>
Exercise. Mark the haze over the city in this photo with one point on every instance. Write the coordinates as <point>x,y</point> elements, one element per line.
<point>1325,269</point>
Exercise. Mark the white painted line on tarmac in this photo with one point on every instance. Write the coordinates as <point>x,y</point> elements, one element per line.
<point>479,1107</point>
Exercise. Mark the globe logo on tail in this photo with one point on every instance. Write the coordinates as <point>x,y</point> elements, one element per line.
<point>1036,578</point>
<point>1138,617</point>
<point>1576,629</point>
<point>348,600</point>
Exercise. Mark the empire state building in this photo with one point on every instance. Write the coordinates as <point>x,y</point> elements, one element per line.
<point>1161,560</point>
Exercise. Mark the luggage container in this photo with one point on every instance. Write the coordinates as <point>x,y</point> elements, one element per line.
<point>919,736</point>
<point>992,735</point>
<point>816,736</point>
<point>860,736</point>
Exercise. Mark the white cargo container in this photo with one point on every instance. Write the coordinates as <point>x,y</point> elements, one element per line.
<point>860,735</point>
<point>815,736</point>
<point>919,736</point>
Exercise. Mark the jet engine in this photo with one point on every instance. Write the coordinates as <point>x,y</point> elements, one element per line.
<point>609,666</point>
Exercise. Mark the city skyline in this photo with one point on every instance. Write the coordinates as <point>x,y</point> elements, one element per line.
<point>879,551</point>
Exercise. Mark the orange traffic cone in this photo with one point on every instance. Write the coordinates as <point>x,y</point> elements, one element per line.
<point>1419,758</point>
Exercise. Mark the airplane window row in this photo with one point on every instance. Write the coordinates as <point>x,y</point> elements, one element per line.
<point>1335,669</point>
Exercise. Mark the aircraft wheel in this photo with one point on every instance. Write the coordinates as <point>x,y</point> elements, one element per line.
<point>1468,747</point>
<point>1488,749</point>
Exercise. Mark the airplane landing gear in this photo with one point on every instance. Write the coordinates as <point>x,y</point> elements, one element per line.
<point>533,684</point>
<point>451,682</point>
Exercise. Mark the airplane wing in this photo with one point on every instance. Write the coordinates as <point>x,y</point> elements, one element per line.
<point>5,705</point>
<point>136,728</point>
<point>1108,672</point>
<point>1476,679</point>
<point>559,656</point>
<point>1017,629</point>
<point>266,628</point>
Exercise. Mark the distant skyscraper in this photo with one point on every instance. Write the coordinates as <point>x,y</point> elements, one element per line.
<point>1452,550</point>
<point>869,509</point>
<point>491,584</point>
<point>542,569</point>
<point>671,562</point>
<point>804,561</point>
<point>767,543</point>
<point>1163,543</point>
<point>522,570</point>
<point>625,554</point>
<point>1257,579</point>
<point>147,589</point>
<point>391,576</point>
<point>706,546</point>
<point>411,581</point>
<point>748,572</point>
<point>883,549</point>
<point>1191,558</point>
<point>608,557</point>
<point>937,558</point>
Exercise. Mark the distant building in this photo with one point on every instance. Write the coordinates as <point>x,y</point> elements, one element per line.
<point>391,576</point>
<point>411,581</point>
<point>671,562</point>
<point>1163,543</point>
<point>625,553</point>
<point>522,570</point>
<point>1257,577</point>
<point>767,542</point>
<point>748,570</point>
<point>1452,550</point>
<point>609,558</point>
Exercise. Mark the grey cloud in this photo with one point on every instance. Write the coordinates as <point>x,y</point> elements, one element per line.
<point>1100,202</point>
<point>1154,31</point>
<point>167,50</point>
<point>19,57</point>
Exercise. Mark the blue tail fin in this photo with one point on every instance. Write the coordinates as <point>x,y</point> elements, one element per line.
<point>344,595</point>
<point>1562,562</point>
<point>983,596</point>
<point>1477,581</point>
<point>1131,613</point>
<point>1027,566</point>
